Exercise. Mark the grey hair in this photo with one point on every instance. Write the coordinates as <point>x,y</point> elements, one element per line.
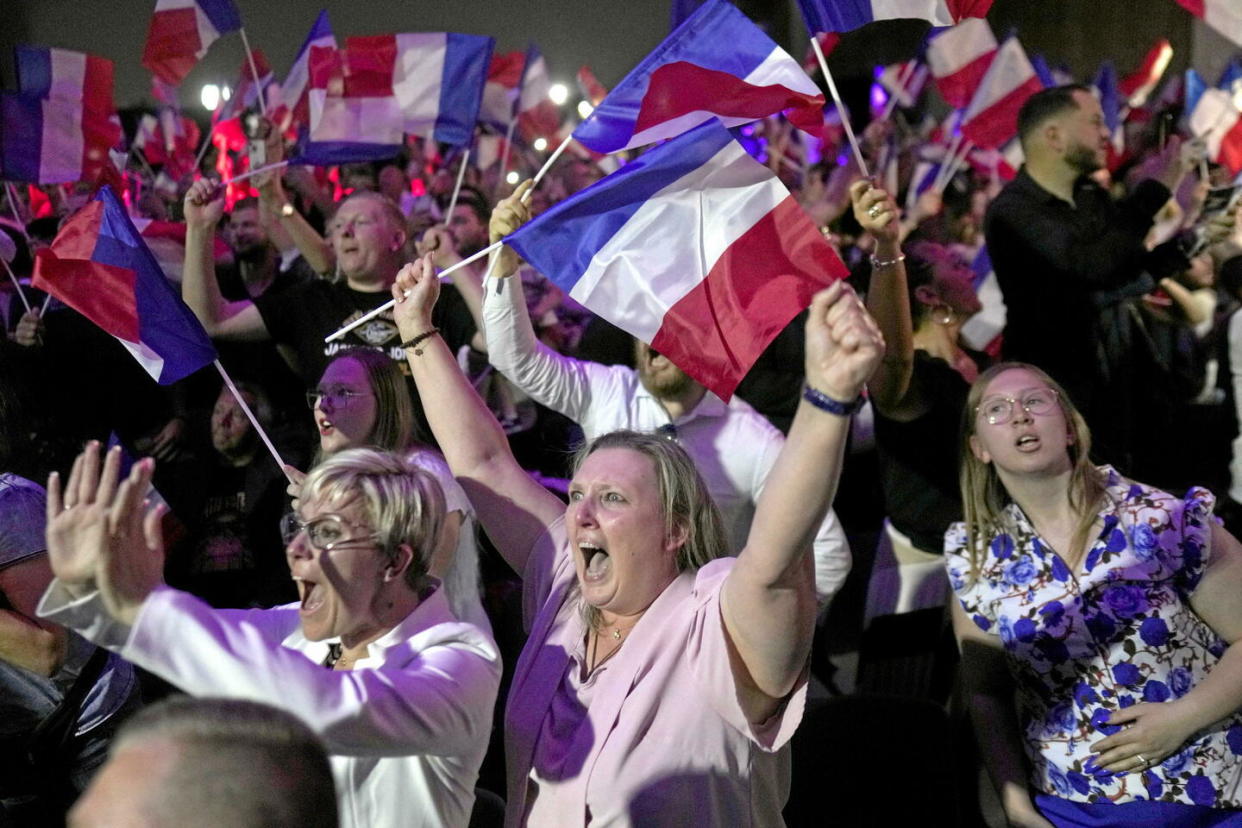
<point>403,503</point>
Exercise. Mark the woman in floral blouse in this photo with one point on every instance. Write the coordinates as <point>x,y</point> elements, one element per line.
<point>1110,608</point>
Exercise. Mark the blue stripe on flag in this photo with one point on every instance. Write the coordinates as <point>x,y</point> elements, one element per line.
<point>835,15</point>
<point>466,59</point>
<point>982,266</point>
<point>34,70</point>
<point>222,14</point>
<point>21,136</point>
<point>562,242</point>
<point>331,153</point>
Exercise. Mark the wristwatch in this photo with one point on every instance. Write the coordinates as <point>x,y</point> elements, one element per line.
<point>286,210</point>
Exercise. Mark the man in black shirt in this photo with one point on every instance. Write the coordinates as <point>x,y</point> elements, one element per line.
<point>1071,262</point>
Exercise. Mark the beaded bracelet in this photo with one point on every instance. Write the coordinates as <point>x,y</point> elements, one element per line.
<point>826,403</point>
<point>414,340</point>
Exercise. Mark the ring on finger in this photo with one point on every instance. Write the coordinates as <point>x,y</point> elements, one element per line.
<point>1143,759</point>
<point>875,210</point>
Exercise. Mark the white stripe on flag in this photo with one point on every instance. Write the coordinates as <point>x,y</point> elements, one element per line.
<point>207,33</point>
<point>150,361</point>
<point>60,158</point>
<point>960,46</point>
<point>68,74</point>
<point>359,120</point>
<point>416,79</point>
<point>780,68</point>
<point>936,11</point>
<point>673,240</point>
<point>1010,69</point>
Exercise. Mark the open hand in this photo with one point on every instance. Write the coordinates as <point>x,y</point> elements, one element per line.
<point>1151,732</point>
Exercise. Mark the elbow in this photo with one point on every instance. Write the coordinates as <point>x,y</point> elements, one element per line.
<point>48,652</point>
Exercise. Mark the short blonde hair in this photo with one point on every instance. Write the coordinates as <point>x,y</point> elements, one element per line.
<point>403,503</point>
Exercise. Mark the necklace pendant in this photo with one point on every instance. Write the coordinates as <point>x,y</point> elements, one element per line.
<point>616,634</point>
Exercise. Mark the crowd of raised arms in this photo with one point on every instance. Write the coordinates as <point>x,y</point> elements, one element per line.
<point>517,567</point>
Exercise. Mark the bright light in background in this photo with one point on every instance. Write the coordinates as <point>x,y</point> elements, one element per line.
<point>559,93</point>
<point>226,92</point>
<point>210,96</point>
<point>585,109</point>
<point>512,177</point>
<point>540,144</point>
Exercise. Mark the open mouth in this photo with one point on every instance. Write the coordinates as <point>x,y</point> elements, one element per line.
<point>325,426</point>
<point>596,562</point>
<point>1027,443</point>
<point>311,593</point>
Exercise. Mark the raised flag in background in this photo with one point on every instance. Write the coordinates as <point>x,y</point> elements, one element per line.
<point>295,91</point>
<point>1137,86</point>
<point>181,32</point>
<point>501,90</point>
<point>716,64</point>
<point>354,115</point>
<point>847,15</point>
<point>991,120</point>
<point>1225,16</point>
<point>1217,120</point>
<point>695,247</point>
<point>436,77</point>
<point>99,266</point>
<point>959,58</point>
<point>537,116</point>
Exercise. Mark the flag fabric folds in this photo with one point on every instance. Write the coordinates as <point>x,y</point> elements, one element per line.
<point>436,77</point>
<point>504,74</point>
<point>1225,16</point>
<point>695,248</point>
<point>991,120</point>
<point>847,15</point>
<point>716,64</point>
<point>1217,120</point>
<point>180,33</point>
<point>1137,86</point>
<point>60,123</point>
<point>99,266</point>
<point>295,91</point>
<point>354,115</point>
<point>537,116</point>
<point>959,58</point>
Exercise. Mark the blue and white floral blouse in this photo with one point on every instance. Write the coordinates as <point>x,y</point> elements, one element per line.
<point>1117,632</point>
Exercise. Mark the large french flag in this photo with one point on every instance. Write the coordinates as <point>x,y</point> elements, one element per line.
<point>1218,122</point>
<point>695,247</point>
<point>99,266</point>
<point>959,58</point>
<point>58,127</point>
<point>847,15</point>
<point>437,79</point>
<point>354,115</point>
<point>295,91</point>
<point>1225,16</point>
<point>991,120</point>
<point>181,32</point>
<point>717,64</point>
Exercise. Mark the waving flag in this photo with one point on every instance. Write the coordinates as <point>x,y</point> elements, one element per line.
<point>992,117</point>
<point>1111,102</point>
<point>437,79</point>
<point>592,90</point>
<point>905,81</point>
<point>99,266</point>
<point>246,90</point>
<point>1217,120</point>
<point>847,15</point>
<point>716,64</point>
<point>354,115</point>
<point>537,116</point>
<point>959,58</point>
<point>296,89</point>
<point>1225,16</point>
<point>59,125</point>
<point>695,247</point>
<point>181,32</point>
<point>1139,84</point>
<point>501,90</point>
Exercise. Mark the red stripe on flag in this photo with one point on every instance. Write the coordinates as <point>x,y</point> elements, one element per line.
<point>1195,7</point>
<point>969,8</point>
<point>717,331</point>
<point>958,88</point>
<point>172,44</point>
<point>369,65</point>
<point>994,126</point>
<point>1231,148</point>
<point>678,88</point>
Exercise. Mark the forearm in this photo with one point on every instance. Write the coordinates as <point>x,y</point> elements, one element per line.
<point>29,645</point>
<point>996,732</point>
<point>888,302</point>
<point>198,280</point>
<point>313,247</point>
<point>1218,695</point>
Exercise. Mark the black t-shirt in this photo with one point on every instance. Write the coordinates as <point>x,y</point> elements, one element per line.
<point>303,315</point>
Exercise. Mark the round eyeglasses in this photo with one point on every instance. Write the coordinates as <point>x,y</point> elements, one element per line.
<point>334,399</point>
<point>1000,410</point>
<point>325,532</point>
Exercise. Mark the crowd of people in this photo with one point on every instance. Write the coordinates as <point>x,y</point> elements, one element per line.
<point>519,568</point>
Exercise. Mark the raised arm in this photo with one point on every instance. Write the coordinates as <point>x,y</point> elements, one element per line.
<point>204,206</point>
<point>288,225</point>
<point>768,602</point>
<point>513,508</point>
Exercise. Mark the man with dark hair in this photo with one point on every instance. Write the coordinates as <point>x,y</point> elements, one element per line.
<point>468,223</point>
<point>190,762</point>
<point>1071,262</point>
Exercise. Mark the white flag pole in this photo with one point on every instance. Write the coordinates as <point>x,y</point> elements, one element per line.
<point>254,421</point>
<point>845,115</point>
<point>461,174</point>
<point>20,293</point>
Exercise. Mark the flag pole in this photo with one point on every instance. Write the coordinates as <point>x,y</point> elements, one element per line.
<point>461,174</point>
<point>275,165</point>
<point>903,77</point>
<point>254,73</point>
<point>202,151</point>
<point>254,421</point>
<point>21,293</point>
<point>362,320</point>
<point>547,165</point>
<point>47,300</point>
<point>21,224</point>
<point>845,115</point>
<point>967,146</point>
<point>940,182</point>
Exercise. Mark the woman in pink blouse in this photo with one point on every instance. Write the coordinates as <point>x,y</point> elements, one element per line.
<point>1111,608</point>
<point>661,680</point>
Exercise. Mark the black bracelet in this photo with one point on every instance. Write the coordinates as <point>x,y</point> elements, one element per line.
<point>826,403</point>
<point>414,340</point>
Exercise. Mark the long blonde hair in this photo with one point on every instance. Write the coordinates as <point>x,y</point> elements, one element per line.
<point>984,497</point>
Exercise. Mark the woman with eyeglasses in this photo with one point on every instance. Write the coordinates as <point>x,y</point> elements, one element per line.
<point>363,399</point>
<point>1111,610</point>
<point>371,657</point>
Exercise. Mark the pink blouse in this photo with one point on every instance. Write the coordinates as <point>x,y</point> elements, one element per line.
<point>656,736</point>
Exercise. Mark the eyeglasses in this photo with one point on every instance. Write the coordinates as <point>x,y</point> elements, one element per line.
<point>999,410</point>
<point>333,398</point>
<point>325,532</point>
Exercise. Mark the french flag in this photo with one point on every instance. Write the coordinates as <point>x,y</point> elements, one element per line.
<point>504,74</point>
<point>991,120</point>
<point>1225,16</point>
<point>905,81</point>
<point>58,127</point>
<point>847,15</point>
<point>246,90</point>
<point>1218,122</point>
<point>1138,85</point>
<point>99,266</point>
<point>716,64</point>
<point>354,115</point>
<point>296,89</point>
<point>1109,95</point>
<point>437,79</point>
<point>959,58</point>
<point>695,247</point>
<point>181,32</point>
<point>537,116</point>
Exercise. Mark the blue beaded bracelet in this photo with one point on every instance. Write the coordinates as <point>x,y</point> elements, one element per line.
<point>826,403</point>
